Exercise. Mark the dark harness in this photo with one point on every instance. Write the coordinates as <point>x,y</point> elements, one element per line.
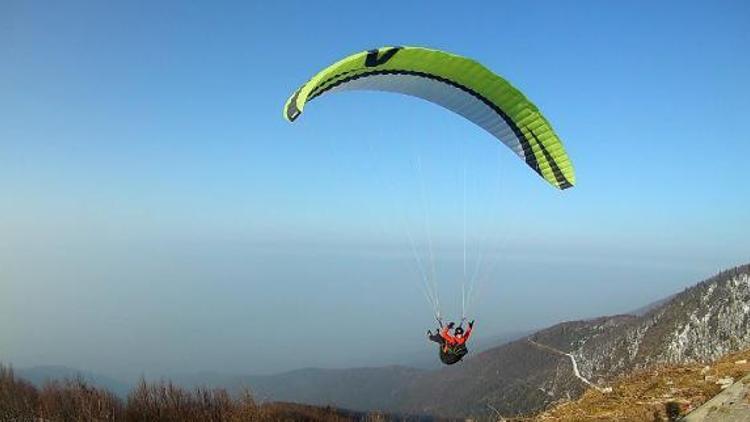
<point>451,355</point>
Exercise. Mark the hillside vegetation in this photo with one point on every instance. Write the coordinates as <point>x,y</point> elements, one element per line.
<point>76,400</point>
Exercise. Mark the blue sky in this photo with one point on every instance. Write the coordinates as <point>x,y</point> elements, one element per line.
<point>159,215</point>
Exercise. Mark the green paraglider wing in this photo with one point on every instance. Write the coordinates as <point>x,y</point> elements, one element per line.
<point>457,83</point>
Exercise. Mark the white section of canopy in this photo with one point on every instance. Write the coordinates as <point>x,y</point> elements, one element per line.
<point>443,94</point>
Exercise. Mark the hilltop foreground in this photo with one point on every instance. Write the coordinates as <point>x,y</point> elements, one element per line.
<point>657,394</point>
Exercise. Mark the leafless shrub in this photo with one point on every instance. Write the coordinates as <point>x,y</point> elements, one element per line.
<point>18,398</point>
<point>165,401</point>
<point>76,400</point>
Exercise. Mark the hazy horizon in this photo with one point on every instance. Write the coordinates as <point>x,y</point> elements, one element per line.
<point>158,214</point>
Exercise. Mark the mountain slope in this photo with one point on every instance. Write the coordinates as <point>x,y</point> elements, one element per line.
<point>701,323</point>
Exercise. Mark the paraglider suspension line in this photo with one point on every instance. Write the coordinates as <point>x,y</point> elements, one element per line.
<point>463,278</point>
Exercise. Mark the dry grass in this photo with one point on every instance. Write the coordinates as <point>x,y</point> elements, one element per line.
<point>649,395</point>
<point>75,400</point>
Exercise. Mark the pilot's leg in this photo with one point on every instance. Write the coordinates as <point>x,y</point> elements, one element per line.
<point>437,338</point>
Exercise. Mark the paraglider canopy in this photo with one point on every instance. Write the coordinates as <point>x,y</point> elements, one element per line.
<point>457,83</point>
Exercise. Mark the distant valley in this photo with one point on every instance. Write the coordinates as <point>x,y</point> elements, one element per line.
<point>523,376</point>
